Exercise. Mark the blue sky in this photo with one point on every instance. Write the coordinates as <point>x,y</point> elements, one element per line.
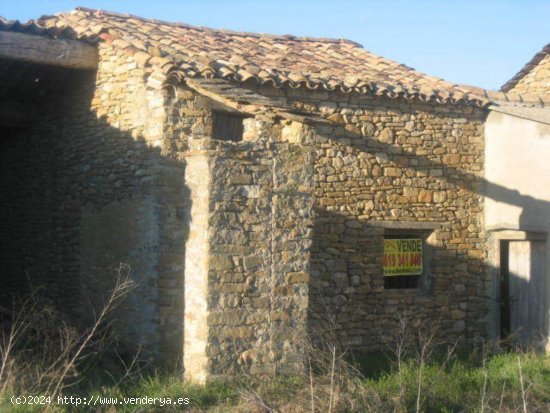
<point>478,42</point>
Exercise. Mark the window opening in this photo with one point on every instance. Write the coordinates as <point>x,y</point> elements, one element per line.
<point>227,127</point>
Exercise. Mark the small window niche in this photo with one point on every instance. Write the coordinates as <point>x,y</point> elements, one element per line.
<point>227,126</point>
<point>406,260</point>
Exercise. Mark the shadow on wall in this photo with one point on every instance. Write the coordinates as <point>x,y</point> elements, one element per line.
<point>83,200</point>
<point>86,195</point>
<point>350,305</point>
<point>348,294</point>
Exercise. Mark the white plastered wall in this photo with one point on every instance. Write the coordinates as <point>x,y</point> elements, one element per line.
<point>517,189</point>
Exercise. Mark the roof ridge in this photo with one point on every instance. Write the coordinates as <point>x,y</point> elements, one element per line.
<point>526,68</point>
<point>225,31</point>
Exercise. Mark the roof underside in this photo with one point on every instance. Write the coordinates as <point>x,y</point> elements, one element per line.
<point>280,61</point>
<point>538,114</point>
<point>248,102</point>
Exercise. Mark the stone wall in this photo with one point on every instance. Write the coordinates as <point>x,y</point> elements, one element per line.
<point>247,253</point>
<point>138,214</point>
<point>396,168</point>
<point>377,167</point>
<point>284,228</point>
<point>260,239</point>
<point>390,166</point>
<point>94,192</point>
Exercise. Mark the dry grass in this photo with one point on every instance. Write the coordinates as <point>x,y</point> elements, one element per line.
<point>424,374</point>
<point>40,355</point>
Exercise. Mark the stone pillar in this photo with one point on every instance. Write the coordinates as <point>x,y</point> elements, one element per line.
<point>247,256</point>
<point>195,330</point>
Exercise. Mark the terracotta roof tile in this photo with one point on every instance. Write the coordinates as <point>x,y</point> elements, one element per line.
<point>526,69</point>
<point>35,28</point>
<point>333,64</point>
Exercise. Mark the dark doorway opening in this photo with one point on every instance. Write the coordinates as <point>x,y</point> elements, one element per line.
<point>504,289</point>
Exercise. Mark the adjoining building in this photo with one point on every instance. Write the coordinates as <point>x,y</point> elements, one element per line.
<point>257,188</point>
<point>517,205</point>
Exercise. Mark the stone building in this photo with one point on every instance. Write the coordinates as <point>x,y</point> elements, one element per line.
<point>255,187</point>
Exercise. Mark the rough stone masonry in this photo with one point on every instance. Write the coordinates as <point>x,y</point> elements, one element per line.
<point>241,248</point>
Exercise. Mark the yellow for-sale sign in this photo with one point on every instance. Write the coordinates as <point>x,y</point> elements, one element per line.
<point>402,256</point>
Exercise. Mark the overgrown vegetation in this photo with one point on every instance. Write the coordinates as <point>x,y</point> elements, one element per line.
<point>41,356</point>
<point>457,386</point>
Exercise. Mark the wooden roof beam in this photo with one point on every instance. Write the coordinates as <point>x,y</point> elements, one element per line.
<point>43,50</point>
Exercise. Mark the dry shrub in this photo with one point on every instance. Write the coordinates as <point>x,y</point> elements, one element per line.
<point>42,354</point>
